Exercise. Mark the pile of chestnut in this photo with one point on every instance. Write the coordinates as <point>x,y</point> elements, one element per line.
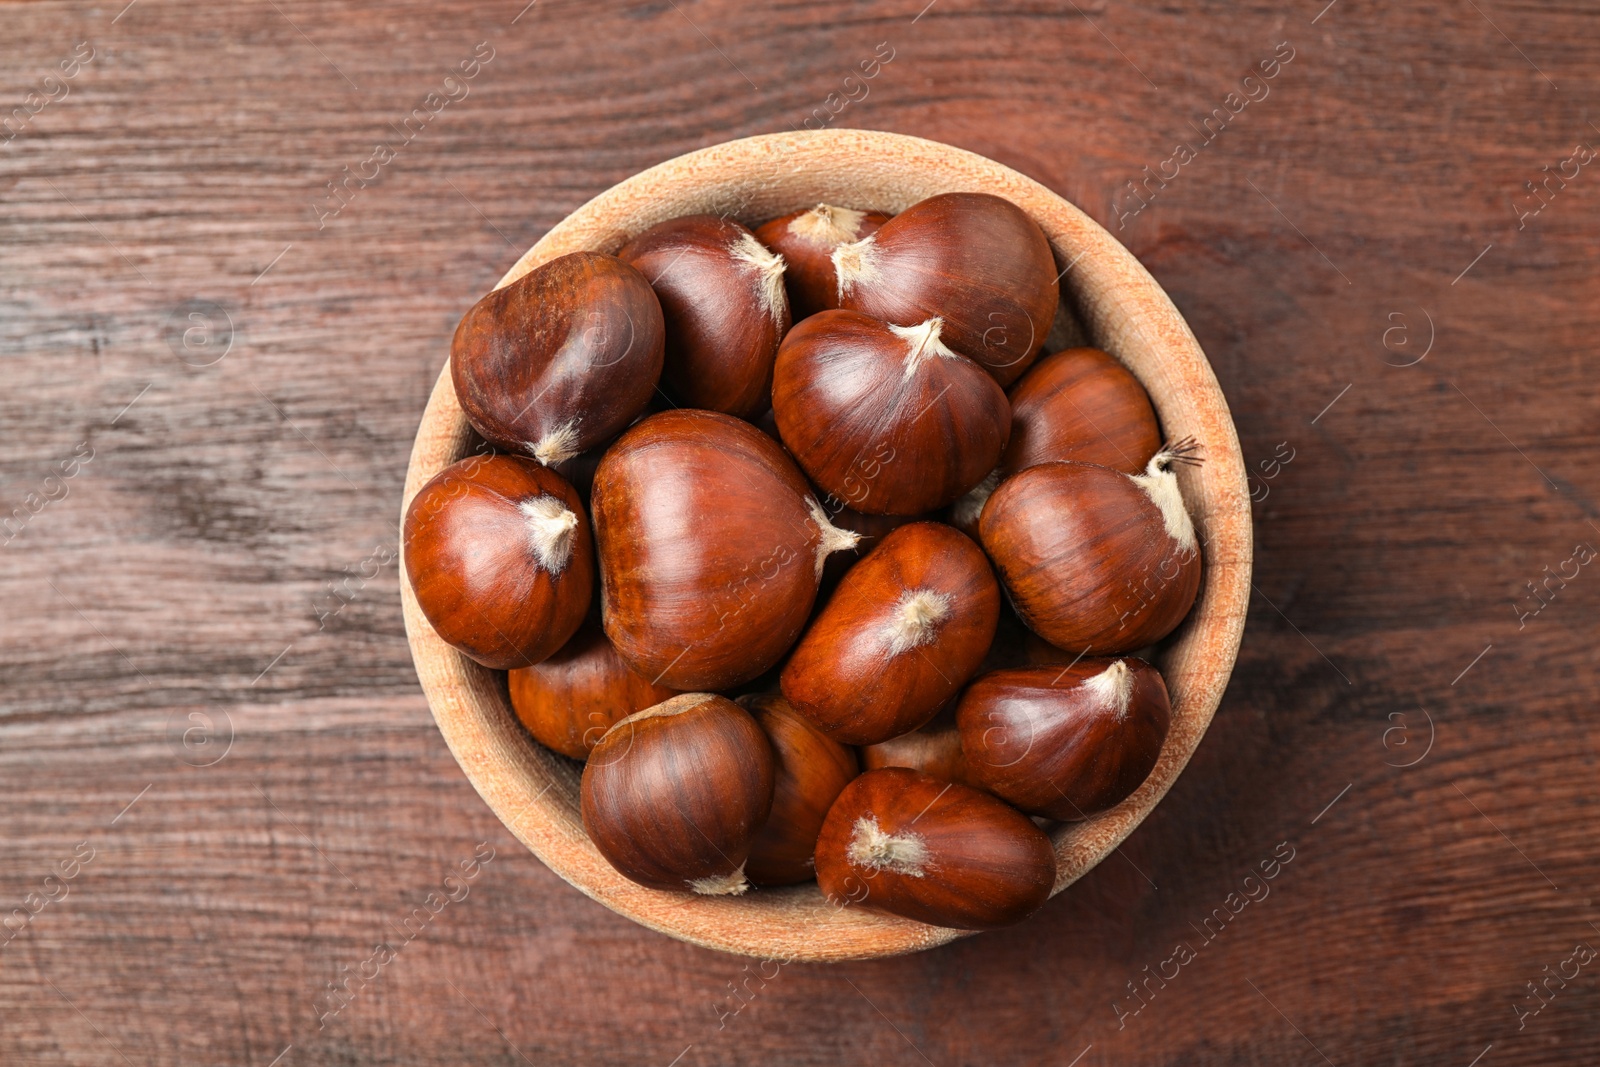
<point>853,599</point>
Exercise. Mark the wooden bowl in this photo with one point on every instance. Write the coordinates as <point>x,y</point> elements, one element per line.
<point>1120,308</point>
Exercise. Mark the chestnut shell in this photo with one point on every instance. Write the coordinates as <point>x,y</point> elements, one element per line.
<point>887,420</point>
<point>1087,558</point>
<point>710,548</point>
<point>673,795</point>
<point>938,852</point>
<point>725,311</point>
<point>1065,743</point>
<point>561,359</point>
<point>906,628</point>
<point>474,564</point>
<point>974,259</point>
<point>1081,404</point>
<point>571,699</point>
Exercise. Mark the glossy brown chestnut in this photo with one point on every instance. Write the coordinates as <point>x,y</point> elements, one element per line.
<point>672,796</point>
<point>499,554</point>
<point>912,845</point>
<point>568,701</point>
<point>906,628</point>
<point>811,769</point>
<point>561,359</point>
<point>977,261</point>
<point>1080,404</point>
<point>1093,559</point>
<point>885,418</point>
<point>934,749</point>
<point>806,240</point>
<point>1065,743</point>
<point>721,291</point>
<point>711,549</point>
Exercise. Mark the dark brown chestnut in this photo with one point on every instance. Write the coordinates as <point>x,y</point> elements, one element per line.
<point>886,418</point>
<point>561,359</point>
<point>906,628</point>
<point>806,240</point>
<point>1094,559</point>
<point>1065,743</point>
<point>811,769</point>
<point>721,291</point>
<point>499,554</point>
<point>1080,404</point>
<point>672,796</point>
<point>975,260</point>
<point>938,852</point>
<point>711,549</point>
<point>572,698</point>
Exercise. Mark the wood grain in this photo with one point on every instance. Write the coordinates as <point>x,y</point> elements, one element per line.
<point>185,568</point>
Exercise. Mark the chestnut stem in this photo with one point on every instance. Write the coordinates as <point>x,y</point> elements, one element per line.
<point>826,224</point>
<point>833,538</point>
<point>770,267</point>
<point>557,446</point>
<point>922,342</point>
<point>875,850</point>
<point>857,262</point>
<point>550,529</point>
<point>1161,485</point>
<point>1113,687</point>
<point>916,619</point>
<point>721,885</point>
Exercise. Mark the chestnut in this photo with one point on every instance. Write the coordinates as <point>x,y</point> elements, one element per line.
<point>811,769</point>
<point>1081,404</point>
<point>906,628</point>
<point>711,549</point>
<point>806,240</point>
<point>938,852</point>
<point>1094,559</point>
<point>934,748</point>
<point>561,359</point>
<point>886,418</point>
<point>500,558</point>
<point>570,699</point>
<point>722,295</point>
<point>672,796</point>
<point>1065,743</point>
<point>977,261</point>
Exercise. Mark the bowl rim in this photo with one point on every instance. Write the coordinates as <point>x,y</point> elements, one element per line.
<point>534,792</point>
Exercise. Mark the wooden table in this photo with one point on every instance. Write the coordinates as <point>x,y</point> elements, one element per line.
<point>222,788</point>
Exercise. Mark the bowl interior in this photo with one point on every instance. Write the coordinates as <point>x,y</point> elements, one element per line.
<point>1110,302</point>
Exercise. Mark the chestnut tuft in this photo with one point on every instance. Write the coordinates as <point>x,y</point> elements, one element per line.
<point>711,549</point>
<point>1065,743</point>
<point>561,359</point>
<point>938,852</point>
<point>806,240</point>
<point>977,261</point>
<point>568,701</point>
<point>1095,560</point>
<point>672,796</point>
<point>500,558</point>
<point>721,292</point>
<point>886,418</point>
<point>1080,404</point>
<point>811,769</point>
<point>906,628</point>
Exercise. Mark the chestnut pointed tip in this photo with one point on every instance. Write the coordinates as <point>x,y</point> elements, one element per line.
<point>855,263</point>
<point>721,885</point>
<point>1113,687</point>
<point>557,446</point>
<point>1160,484</point>
<point>769,266</point>
<point>922,343</point>
<point>827,224</point>
<point>551,525</point>
<point>833,538</point>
